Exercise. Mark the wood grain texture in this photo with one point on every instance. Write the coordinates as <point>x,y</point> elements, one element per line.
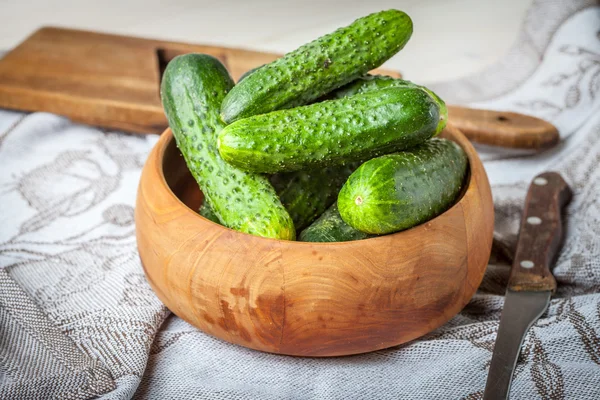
<point>541,234</point>
<point>308,299</point>
<point>105,80</point>
<point>504,129</point>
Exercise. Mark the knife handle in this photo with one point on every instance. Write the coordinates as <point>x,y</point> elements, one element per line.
<point>541,234</point>
<point>504,129</point>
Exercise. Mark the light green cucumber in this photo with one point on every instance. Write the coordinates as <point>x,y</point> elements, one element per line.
<point>192,91</point>
<point>319,67</point>
<point>333,132</point>
<point>330,227</point>
<point>398,191</point>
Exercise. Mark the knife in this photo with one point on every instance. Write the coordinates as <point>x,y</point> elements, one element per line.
<point>531,283</point>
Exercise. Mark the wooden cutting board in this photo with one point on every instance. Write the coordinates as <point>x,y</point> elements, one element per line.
<point>99,79</point>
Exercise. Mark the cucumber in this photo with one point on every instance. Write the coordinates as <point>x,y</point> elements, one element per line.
<point>192,90</point>
<point>330,227</point>
<point>207,212</point>
<point>398,191</point>
<point>333,132</point>
<point>369,83</point>
<point>320,66</point>
<point>365,84</point>
<point>307,194</point>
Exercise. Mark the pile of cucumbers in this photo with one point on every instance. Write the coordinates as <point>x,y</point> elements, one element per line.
<point>310,144</point>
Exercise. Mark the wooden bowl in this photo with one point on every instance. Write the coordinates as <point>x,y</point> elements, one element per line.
<point>308,299</point>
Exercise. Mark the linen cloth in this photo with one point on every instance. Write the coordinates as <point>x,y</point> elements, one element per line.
<point>79,321</point>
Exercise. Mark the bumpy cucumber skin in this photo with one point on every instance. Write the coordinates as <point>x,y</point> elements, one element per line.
<point>307,194</point>
<point>330,227</point>
<point>207,212</point>
<point>370,83</point>
<point>192,91</point>
<point>332,132</point>
<point>398,191</point>
<point>320,66</point>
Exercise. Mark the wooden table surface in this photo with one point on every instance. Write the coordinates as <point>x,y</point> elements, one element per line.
<point>451,38</point>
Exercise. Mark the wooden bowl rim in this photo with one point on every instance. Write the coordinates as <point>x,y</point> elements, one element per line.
<point>454,134</point>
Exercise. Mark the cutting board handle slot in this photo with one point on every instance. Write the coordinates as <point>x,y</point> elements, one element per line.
<point>163,58</point>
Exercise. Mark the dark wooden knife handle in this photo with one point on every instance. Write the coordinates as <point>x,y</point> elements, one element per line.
<point>541,234</point>
<point>504,129</point>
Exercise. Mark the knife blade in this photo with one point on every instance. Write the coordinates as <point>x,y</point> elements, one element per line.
<point>531,283</point>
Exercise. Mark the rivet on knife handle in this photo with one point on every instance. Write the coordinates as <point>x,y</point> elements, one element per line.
<point>540,235</point>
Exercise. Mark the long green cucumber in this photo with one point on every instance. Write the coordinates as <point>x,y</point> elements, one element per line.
<point>319,67</point>
<point>333,132</point>
<point>364,84</point>
<point>192,90</point>
<point>330,227</point>
<point>398,191</point>
<point>369,83</point>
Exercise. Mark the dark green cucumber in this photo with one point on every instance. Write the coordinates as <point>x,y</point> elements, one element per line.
<point>307,194</point>
<point>207,212</point>
<point>333,132</point>
<point>192,91</point>
<point>320,66</point>
<point>398,191</point>
<point>330,227</point>
<point>369,83</point>
<point>364,84</point>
